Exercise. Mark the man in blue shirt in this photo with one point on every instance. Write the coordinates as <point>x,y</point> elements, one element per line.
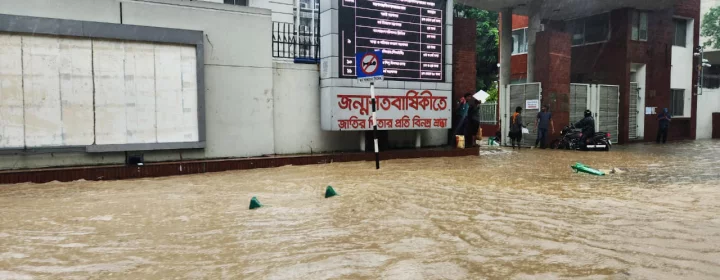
<point>664,119</point>
<point>543,122</point>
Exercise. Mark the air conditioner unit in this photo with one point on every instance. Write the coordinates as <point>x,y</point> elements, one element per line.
<point>303,5</point>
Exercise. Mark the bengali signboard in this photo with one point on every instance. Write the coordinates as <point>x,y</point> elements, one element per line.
<point>351,109</point>
<point>408,32</point>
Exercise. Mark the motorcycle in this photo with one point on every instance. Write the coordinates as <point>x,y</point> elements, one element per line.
<point>570,140</point>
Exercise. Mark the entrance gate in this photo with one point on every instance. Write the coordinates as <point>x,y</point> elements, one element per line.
<point>602,100</point>
<point>528,97</point>
<point>634,111</point>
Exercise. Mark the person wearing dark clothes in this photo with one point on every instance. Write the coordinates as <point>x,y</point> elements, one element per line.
<point>473,120</point>
<point>463,108</point>
<point>516,127</point>
<point>543,123</point>
<point>664,119</point>
<point>587,125</point>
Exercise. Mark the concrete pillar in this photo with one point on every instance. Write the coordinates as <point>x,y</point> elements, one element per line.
<point>505,47</point>
<point>362,141</point>
<point>418,139</point>
<point>534,23</point>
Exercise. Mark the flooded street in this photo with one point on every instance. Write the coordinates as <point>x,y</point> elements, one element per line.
<point>503,215</point>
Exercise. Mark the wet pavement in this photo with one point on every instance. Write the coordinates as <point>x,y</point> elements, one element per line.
<point>503,215</point>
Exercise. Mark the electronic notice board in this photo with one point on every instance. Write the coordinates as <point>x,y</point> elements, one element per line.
<point>408,32</point>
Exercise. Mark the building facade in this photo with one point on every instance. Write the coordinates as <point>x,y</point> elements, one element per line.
<point>93,82</point>
<point>647,53</point>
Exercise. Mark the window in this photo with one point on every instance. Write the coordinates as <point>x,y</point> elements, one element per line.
<point>640,26</point>
<point>519,41</point>
<point>677,102</point>
<point>680,39</point>
<point>237,2</point>
<point>594,29</point>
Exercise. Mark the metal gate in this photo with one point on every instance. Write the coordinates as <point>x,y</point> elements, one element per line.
<point>519,95</point>
<point>633,112</point>
<point>608,110</point>
<point>579,101</point>
<point>602,100</point>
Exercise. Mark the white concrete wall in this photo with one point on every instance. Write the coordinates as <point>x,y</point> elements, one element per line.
<point>296,92</point>
<point>282,10</point>
<point>681,74</point>
<point>253,106</point>
<point>708,103</point>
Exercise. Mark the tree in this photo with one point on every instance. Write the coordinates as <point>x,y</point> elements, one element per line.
<point>486,50</point>
<point>711,28</point>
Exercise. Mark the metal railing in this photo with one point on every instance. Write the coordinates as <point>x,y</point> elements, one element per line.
<point>488,113</point>
<point>296,42</point>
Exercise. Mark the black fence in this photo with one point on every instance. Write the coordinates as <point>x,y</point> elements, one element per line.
<point>296,42</point>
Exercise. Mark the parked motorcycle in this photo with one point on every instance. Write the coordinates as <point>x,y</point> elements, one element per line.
<point>570,140</point>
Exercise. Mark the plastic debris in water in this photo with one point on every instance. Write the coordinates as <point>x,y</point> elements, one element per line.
<point>579,167</point>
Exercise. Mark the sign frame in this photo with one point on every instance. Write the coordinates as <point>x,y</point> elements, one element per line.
<point>369,76</point>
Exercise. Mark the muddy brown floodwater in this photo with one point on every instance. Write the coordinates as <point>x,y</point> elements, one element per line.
<point>503,215</point>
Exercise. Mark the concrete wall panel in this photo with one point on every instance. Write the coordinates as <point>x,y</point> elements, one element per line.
<point>88,10</point>
<point>188,65</point>
<point>231,37</point>
<point>110,101</point>
<point>12,128</point>
<point>240,111</point>
<point>41,84</point>
<point>297,116</point>
<point>168,85</point>
<point>708,103</point>
<point>76,91</point>
<point>140,92</point>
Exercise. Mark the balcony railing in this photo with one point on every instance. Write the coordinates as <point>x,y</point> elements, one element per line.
<point>296,42</point>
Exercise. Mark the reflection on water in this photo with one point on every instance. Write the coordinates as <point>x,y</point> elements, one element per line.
<point>501,215</point>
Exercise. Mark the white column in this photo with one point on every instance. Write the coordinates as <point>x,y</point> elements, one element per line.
<point>362,141</point>
<point>418,139</point>
<point>505,47</point>
<point>535,21</point>
<point>505,57</point>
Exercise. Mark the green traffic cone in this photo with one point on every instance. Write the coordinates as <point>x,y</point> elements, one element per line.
<point>330,192</point>
<point>255,203</point>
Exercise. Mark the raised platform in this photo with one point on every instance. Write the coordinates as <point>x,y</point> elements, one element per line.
<point>119,172</point>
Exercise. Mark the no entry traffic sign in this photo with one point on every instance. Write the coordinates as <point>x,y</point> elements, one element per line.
<point>369,66</point>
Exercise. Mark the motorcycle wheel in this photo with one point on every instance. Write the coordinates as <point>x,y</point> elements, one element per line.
<point>555,144</point>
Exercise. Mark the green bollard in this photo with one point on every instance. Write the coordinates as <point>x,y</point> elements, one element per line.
<point>579,167</point>
<point>255,203</point>
<point>330,192</point>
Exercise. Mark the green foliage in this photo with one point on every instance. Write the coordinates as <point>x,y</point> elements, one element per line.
<point>486,44</point>
<point>711,28</point>
<point>492,92</point>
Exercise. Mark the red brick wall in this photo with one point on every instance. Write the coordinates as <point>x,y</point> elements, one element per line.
<point>552,69</point>
<point>464,71</point>
<point>656,54</point>
<point>519,21</point>
<point>518,67</point>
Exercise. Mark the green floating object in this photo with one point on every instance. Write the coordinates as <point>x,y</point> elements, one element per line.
<point>579,167</point>
<point>330,192</point>
<point>255,203</point>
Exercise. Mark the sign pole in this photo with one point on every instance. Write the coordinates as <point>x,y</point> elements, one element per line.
<point>374,119</point>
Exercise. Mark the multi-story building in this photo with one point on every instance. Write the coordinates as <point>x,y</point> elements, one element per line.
<point>644,51</point>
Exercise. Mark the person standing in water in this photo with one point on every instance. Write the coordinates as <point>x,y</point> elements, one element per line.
<point>516,127</point>
<point>543,122</point>
<point>664,120</point>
